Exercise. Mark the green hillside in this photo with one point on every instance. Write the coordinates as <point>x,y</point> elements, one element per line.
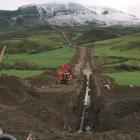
<point>121,54</point>
<point>88,35</point>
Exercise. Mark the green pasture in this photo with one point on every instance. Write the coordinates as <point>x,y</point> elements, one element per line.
<point>77,35</point>
<point>42,40</point>
<point>126,78</point>
<point>87,44</point>
<point>50,59</point>
<point>128,62</point>
<point>48,39</point>
<point>22,73</point>
<point>129,57</point>
<point>105,46</point>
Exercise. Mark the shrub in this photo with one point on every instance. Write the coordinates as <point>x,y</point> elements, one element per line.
<point>127,67</point>
<point>25,65</point>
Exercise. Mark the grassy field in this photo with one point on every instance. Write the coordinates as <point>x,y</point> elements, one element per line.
<point>22,73</point>
<point>129,63</point>
<point>121,53</point>
<point>76,36</point>
<point>50,59</point>
<point>40,38</point>
<point>106,46</point>
<point>126,78</point>
<point>125,47</point>
<point>52,39</point>
<point>94,34</point>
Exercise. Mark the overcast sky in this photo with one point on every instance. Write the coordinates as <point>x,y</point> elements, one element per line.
<point>127,6</point>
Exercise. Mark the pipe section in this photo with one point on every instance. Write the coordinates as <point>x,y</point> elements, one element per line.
<point>84,107</point>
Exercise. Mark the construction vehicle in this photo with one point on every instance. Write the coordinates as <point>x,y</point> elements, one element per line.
<point>2,53</point>
<point>64,75</point>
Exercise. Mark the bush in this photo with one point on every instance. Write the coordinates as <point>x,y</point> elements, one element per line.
<point>127,67</point>
<point>33,65</point>
<point>32,52</point>
<point>25,65</point>
<point>5,66</point>
<point>8,66</point>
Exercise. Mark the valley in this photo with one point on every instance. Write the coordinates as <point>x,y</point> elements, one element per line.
<point>31,102</point>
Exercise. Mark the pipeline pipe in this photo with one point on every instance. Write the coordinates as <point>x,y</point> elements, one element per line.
<point>84,107</point>
<point>82,119</point>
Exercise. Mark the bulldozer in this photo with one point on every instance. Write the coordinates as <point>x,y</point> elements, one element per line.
<point>64,75</point>
<point>2,53</point>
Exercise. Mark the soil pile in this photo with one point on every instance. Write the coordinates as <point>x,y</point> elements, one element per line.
<point>43,112</point>
<point>45,79</point>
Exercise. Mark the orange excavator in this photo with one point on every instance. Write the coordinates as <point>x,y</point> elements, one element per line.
<point>65,74</point>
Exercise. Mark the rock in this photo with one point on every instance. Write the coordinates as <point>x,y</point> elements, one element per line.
<point>107,86</point>
<point>88,128</point>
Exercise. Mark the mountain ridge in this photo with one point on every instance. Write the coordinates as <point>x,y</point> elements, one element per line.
<point>75,14</point>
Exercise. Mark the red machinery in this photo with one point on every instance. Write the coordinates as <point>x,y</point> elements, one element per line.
<point>65,74</point>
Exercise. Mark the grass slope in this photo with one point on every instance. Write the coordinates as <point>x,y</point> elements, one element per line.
<point>126,78</point>
<point>22,73</point>
<point>50,59</point>
<point>34,39</point>
<point>106,46</point>
<point>121,53</point>
<point>100,33</point>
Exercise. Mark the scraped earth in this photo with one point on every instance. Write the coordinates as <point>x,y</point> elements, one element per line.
<point>36,105</point>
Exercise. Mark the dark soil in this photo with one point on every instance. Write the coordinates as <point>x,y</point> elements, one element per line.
<point>36,105</point>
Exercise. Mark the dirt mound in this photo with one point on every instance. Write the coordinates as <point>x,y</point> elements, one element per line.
<point>24,109</point>
<point>45,79</point>
<point>114,108</point>
<point>11,82</point>
<point>121,110</point>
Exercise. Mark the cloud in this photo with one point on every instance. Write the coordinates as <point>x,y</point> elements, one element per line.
<point>134,10</point>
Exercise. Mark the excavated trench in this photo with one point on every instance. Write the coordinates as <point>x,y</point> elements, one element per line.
<point>91,121</point>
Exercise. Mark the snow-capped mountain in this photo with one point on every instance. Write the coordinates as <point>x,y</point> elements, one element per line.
<point>74,14</point>
<point>70,14</point>
<point>114,16</point>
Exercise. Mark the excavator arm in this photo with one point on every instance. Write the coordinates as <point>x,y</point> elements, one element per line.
<point>2,53</point>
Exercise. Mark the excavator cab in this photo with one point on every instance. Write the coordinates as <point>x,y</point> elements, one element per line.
<point>64,75</point>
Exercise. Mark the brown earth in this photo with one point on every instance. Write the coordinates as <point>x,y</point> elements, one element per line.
<point>36,105</point>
